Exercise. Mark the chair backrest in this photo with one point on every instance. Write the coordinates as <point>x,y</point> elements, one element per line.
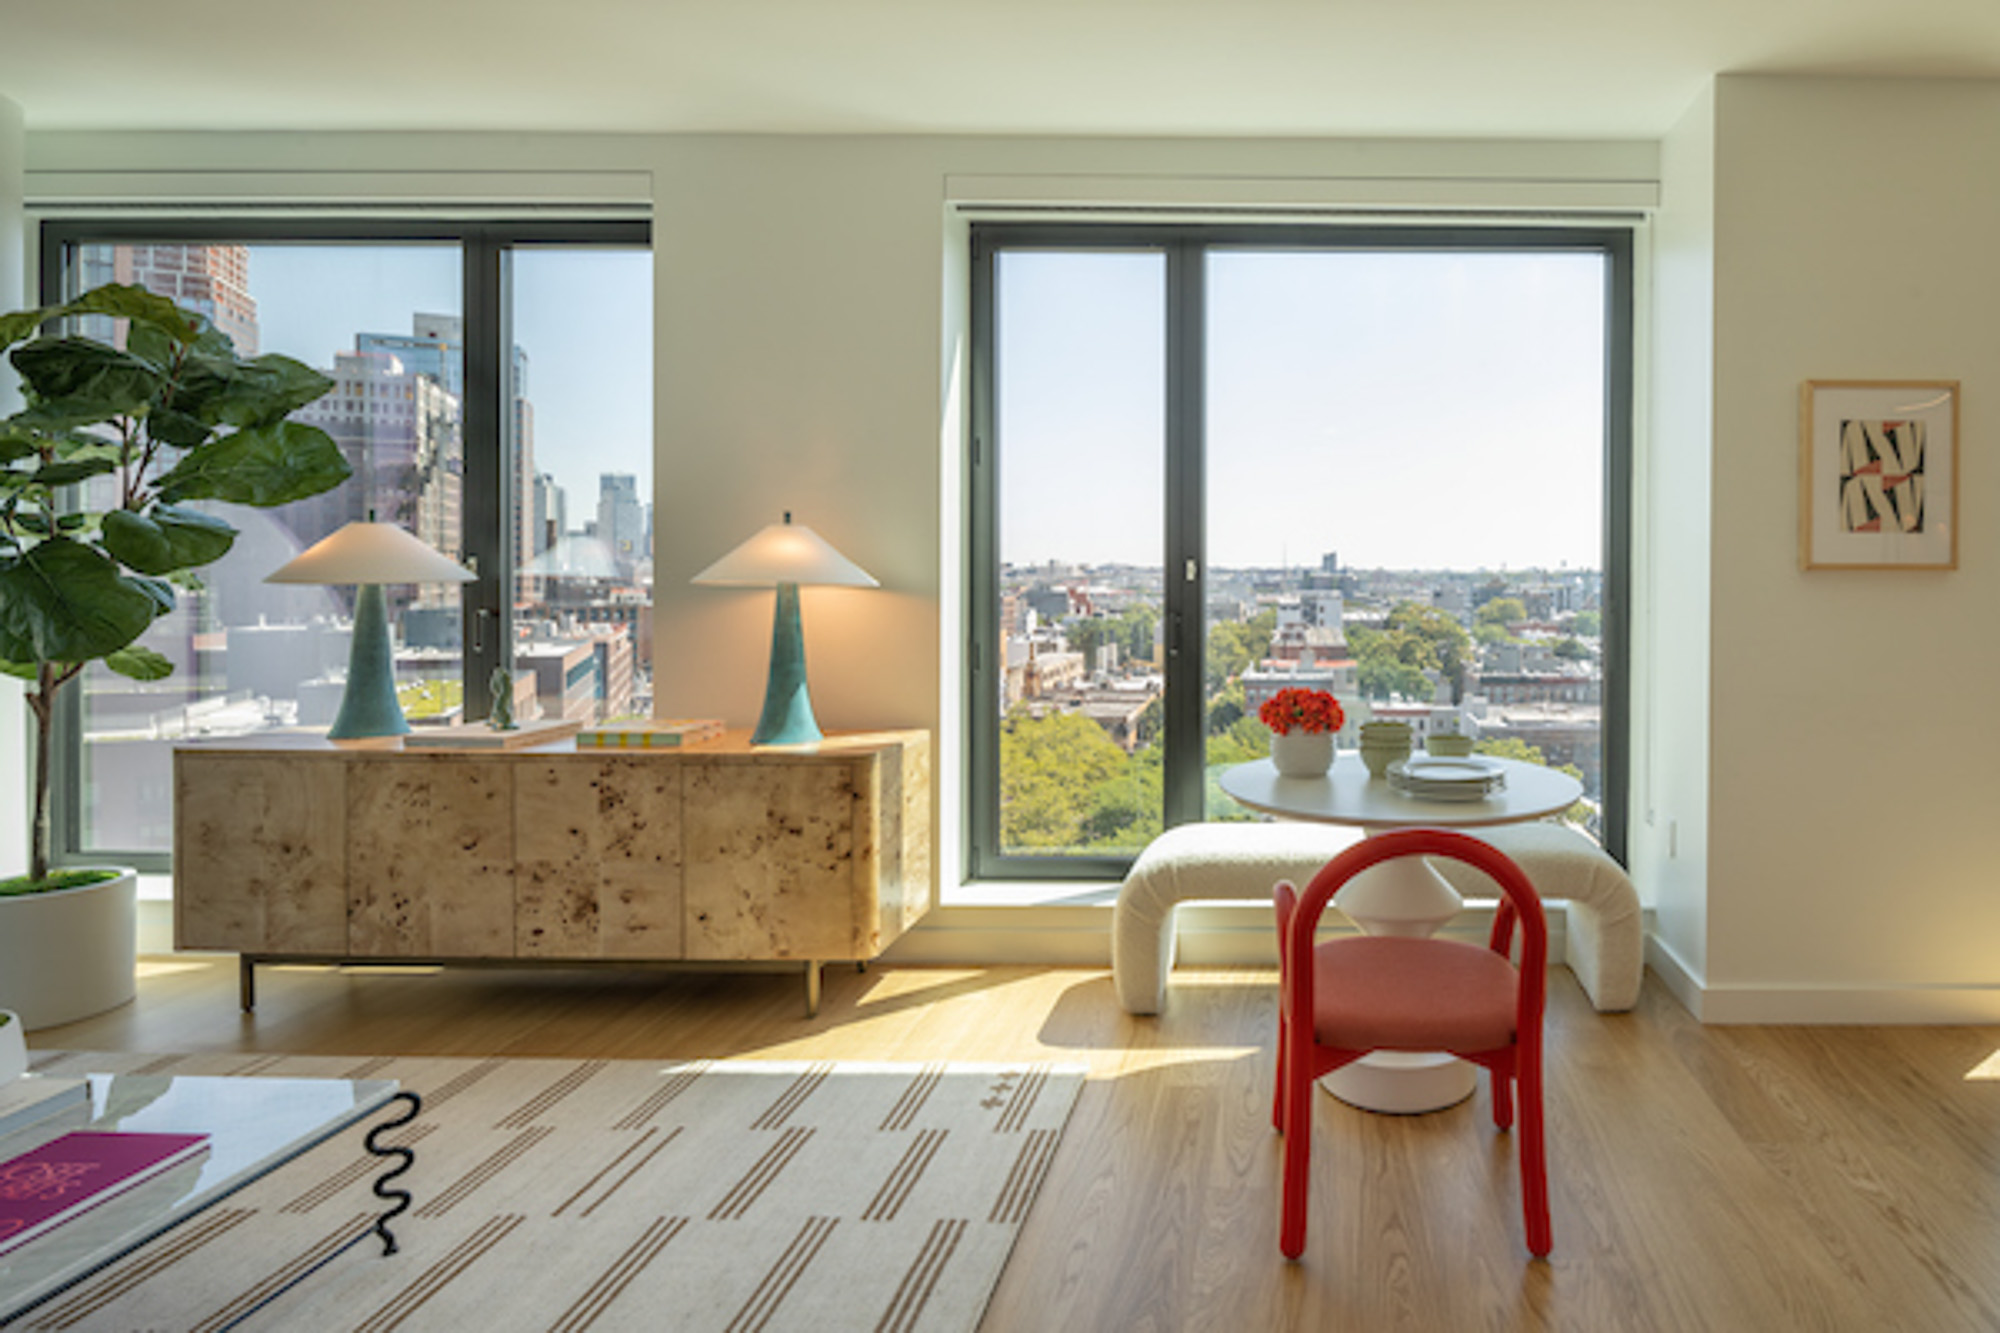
<point>1520,906</point>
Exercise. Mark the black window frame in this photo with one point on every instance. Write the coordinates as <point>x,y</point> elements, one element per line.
<point>485,246</point>
<point>1184,246</point>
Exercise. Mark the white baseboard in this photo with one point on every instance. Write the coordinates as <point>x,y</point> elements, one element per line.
<point>1673,972</point>
<point>156,926</point>
<point>1807,1005</point>
<point>1853,1005</point>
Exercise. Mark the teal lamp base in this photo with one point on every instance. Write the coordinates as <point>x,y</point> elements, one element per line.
<point>787,718</point>
<point>369,707</point>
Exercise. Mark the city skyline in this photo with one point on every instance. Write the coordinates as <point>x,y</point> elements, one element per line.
<point>575,315</point>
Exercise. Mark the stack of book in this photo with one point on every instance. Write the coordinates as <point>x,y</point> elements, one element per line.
<point>479,736</point>
<point>70,1175</point>
<point>657,733</point>
<point>34,1097</point>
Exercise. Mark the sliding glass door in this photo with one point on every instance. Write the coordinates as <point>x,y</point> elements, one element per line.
<point>1211,463</point>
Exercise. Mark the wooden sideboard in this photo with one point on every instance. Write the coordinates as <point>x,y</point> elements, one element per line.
<point>288,847</point>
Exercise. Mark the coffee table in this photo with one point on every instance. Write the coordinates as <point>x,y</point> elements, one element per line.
<point>1400,897</point>
<point>254,1125</point>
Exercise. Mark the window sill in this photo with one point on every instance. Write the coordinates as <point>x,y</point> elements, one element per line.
<point>1031,893</point>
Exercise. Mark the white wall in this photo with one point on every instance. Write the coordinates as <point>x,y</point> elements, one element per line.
<point>1853,871</point>
<point>1669,824</point>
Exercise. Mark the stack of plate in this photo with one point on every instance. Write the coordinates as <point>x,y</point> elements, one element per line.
<point>1441,778</point>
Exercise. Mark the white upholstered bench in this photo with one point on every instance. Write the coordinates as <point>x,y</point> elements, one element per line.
<point>1605,937</point>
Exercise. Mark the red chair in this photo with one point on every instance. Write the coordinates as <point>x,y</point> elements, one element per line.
<point>1344,998</point>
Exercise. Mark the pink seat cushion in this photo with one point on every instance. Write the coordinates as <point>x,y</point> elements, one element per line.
<point>1386,992</point>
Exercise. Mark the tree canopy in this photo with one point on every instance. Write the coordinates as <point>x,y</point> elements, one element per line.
<point>1050,771</point>
<point>1414,638</point>
<point>1502,611</point>
<point>1513,747</point>
<point>1236,645</point>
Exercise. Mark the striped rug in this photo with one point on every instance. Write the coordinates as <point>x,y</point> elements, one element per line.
<point>602,1195</point>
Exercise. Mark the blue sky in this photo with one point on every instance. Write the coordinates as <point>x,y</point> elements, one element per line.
<point>584,318</point>
<point>1404,410</point>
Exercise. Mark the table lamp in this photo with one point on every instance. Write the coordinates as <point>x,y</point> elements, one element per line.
<point>784,556</point>
<point>369,555</point>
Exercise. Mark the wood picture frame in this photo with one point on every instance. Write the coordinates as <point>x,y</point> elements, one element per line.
<point>1878,474</point>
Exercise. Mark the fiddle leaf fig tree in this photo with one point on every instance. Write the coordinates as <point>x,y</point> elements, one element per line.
<point>98,475</point>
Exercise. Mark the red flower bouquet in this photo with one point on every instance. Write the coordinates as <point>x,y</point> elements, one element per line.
<point>1310,711</point>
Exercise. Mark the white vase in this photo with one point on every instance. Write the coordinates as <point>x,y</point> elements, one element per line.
<point>1302,754</point>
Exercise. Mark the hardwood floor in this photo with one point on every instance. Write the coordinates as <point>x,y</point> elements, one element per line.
<point>1702,1178</point>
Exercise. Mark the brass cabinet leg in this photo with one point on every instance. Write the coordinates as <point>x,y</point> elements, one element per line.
<point>812,988</point>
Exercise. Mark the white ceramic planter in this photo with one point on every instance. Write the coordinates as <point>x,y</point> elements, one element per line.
<point>1302,754</point>
<point>71,953</point>
<point>13,1047</point>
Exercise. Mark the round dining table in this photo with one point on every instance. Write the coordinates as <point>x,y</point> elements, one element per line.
<point>1400,897</point>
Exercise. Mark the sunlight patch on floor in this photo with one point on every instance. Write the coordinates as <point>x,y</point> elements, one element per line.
<point>1987,1070</point>
<point>162,967</point>
<point>1140,1062</point>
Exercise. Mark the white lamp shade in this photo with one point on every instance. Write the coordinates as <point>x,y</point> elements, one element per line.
<point>370,553</point>
<point>785,552</point>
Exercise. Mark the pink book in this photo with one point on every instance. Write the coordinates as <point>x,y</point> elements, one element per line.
<point>66,1176</point>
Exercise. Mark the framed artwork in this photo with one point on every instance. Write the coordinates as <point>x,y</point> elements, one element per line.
<point>1878,474</point>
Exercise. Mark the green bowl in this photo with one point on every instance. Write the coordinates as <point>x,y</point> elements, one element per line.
<point>1379,757</point>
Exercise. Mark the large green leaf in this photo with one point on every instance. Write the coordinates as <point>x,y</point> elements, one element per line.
<point>171,426</point>
<point>223,391</point>
<point>21,324</point>
<point>140,663</point>
<point>66,602</point>
<point>133,302</point>
<point>265,465</point>
<point>153,344</point>
<point>76,381</point>
<point>71,472</point>
<point>167,539</point>
<point>160,592</point>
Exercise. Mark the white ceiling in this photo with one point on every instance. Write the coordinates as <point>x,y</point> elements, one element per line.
<point>1516,68</point>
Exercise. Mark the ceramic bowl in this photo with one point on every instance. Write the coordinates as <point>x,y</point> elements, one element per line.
<point>1378,756</point>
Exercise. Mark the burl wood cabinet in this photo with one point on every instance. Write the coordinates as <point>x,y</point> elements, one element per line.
<point>288,847</point>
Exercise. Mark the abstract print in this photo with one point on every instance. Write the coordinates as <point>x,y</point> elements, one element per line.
<point>1882,476</point>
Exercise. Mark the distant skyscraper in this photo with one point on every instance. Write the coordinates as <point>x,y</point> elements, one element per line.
<point>211,279</point>
<point>435,346</point>
<point>400,431</point>
<point>551,512</point>
<point>527,533</point>
<point>621,522</point>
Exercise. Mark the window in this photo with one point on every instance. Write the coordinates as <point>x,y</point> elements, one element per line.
<point>429,333</point>
<point>1209,463</point>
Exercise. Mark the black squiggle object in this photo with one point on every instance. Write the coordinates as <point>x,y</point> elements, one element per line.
<point>383,1190</point>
